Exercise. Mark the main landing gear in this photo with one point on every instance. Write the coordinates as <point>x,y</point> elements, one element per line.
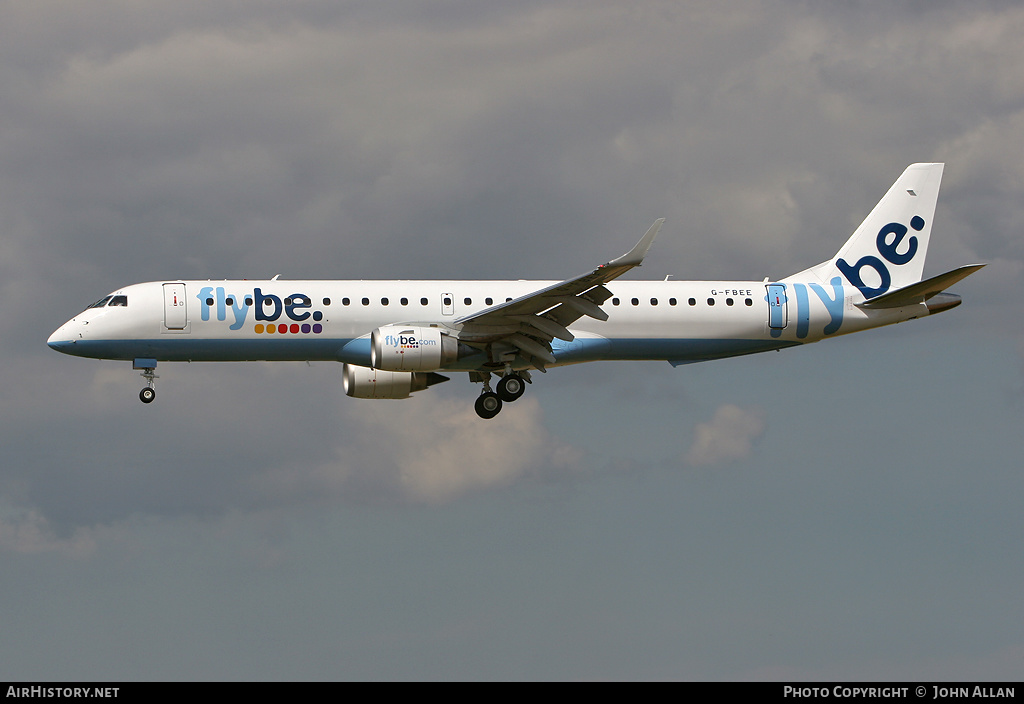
<point>148,367</point>
<point>509,388</point>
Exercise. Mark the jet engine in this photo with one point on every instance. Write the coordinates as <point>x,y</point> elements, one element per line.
<point>412,348</point>
<point>360,382</point>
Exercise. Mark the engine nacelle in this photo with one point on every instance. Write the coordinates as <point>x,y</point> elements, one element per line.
<point>360,382</point>
<point>411,348</point>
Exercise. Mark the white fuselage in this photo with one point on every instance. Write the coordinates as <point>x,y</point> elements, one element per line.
<point>675,321</point>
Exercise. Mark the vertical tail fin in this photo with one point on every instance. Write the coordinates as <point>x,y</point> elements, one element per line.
<point>888,249</point>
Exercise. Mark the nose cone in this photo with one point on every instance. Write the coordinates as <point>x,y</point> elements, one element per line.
<point>61,339</point>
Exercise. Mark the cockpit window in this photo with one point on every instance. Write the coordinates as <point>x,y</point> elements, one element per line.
<point>118,301</point>
<point>100,303</point>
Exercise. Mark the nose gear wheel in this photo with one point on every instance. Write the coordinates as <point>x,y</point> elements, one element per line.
<point>149,393</point>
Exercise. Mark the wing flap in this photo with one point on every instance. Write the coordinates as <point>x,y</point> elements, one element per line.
<point>546,325</point>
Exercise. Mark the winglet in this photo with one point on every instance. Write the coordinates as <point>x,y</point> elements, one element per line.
<point>636,255</point>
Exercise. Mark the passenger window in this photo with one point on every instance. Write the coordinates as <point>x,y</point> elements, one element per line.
<point>230,302</point>
<point>692,301</point>
<point>405,301</point>
<point>287,301</point>
<point>327,301</point>
<point>248,301</point>
<point>654,301</point>
<point>468,301</point>
<point>749,302</point>
<point>489,301</point>
<point>209,301</point>
<point>671,301</point>
<point>383,301</point>
<point>728,301</point>
<point>635,301</point>
<point>423,301</point>
<point>345,301</point>
<point>615,301</point>
<point>711,301</point>
<point>366,301</point>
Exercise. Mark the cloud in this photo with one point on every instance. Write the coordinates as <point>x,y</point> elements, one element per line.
<point>28,531</point>
<point>728,437</point>
<point>427,450</point>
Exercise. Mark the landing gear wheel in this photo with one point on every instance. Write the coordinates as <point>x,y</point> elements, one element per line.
<point>148,367</point>
<point>488,405</point>
<point>510,387</point>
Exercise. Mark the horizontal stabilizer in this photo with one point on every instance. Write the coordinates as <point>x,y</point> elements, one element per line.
<point>921,291</point>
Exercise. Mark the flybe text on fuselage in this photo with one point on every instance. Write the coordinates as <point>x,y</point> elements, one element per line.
<point>888,243</point>
<point>834,304</point>
<point>268,308</point>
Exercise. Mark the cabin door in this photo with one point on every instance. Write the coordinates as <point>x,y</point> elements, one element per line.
<point>175,317</point>
<point>777,311</point>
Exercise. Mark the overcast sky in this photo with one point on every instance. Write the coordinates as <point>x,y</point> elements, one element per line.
<point>846,510</point>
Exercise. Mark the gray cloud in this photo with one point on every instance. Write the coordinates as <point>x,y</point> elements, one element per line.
<point>28,531</point>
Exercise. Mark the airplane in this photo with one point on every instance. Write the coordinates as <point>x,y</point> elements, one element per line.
<point>395,338</point>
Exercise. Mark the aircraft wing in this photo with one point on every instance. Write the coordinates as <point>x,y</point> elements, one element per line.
<point>527,325</point>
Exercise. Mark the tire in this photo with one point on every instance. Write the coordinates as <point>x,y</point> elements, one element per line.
<point>511,387</point>
<point>488,405</point>
<point>147,395</point>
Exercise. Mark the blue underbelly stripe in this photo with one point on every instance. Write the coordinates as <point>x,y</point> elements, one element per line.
<point>357,351</point>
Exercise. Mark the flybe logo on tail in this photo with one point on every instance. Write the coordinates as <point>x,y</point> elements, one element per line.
<point>267,309</point>
<point>890,251</point>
